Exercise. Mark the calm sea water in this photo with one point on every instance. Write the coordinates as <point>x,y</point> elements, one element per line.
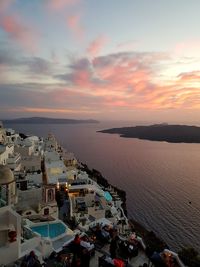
<point>160,178</point>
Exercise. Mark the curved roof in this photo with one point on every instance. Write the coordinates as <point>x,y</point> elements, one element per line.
<point>6,175</point>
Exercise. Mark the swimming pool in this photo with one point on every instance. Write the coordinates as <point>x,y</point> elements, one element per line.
<point>51,230</point>
<point>107,196</point>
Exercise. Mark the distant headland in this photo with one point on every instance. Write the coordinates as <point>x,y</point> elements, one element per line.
<point>44,120</point>
<point>160,132</point>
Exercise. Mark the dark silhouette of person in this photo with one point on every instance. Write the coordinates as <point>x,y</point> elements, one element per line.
<point>114,246</point>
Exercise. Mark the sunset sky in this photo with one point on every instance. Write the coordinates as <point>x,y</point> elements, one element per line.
<point>100,59</point>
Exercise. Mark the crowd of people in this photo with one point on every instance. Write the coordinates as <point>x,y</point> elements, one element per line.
<point>31,260</point>
<point>82,248</point>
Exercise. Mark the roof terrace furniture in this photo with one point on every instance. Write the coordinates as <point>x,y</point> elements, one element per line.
<point>106,261</point>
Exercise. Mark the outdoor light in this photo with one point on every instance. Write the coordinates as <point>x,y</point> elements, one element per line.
<point>58,186</point>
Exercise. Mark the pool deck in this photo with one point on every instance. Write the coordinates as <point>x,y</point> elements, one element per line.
<point>59,243</point>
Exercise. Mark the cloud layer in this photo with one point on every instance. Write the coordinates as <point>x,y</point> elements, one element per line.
<point>19,32</point>
<point>110,83</point>
<point>73,72</point>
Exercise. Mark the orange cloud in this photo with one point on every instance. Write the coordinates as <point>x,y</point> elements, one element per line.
<point>190,76</point>
<point>116,82</point>
<point>55,110</point>
<point>96,45</point>
<point>19,31</point>
<point>188,79</point>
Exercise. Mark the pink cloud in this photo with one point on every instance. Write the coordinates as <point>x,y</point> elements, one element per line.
<point>58,5</point>
<point>188,80</point>
<point>117,82</point>
<point>5,5</point>
<point>74,25</point>
<point>19,31</point>
<point>82,78</point>
<point>96,46</point>
<point>188,48</point>
<point>125,80</point>
<point>190,76</point>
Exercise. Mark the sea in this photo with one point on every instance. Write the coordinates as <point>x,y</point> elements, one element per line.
<point>162,180</point>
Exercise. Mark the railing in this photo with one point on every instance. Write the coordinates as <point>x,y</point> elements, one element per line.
<point>29,234</point>
<point>2,203</point>
<point>30,244</point>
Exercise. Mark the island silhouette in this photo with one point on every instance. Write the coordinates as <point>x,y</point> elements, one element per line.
<point>159,132</point>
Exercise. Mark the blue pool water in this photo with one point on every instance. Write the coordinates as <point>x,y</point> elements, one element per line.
<point>107,196</point>
<point>49,230</point>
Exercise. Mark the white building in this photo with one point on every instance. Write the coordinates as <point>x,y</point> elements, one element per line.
<point>55,168</point>
<point>51,143</point>
<point>5,152</point>
<point>24,150</point>
<point>8,194</point>
<point>14,162</point>
<point>3,155</point>
<point>12,137</point>
<point>10,221</point>
<point>31,163</point>
<point>3,138</point>
<point>37,202</point>
<point>16,239</point>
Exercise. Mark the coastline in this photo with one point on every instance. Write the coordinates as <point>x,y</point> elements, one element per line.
<point>153,242</point>
<point>97,176</point>
<point>86,186</point>
<point>160,133</point>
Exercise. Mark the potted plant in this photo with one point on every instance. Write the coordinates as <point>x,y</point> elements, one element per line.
<point>12,236</point>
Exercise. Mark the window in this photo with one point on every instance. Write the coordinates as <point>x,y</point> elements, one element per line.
<point>46,211</point>
<point>50,195</point>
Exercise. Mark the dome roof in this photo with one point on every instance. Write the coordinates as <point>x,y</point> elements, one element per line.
<point>6,175</point>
